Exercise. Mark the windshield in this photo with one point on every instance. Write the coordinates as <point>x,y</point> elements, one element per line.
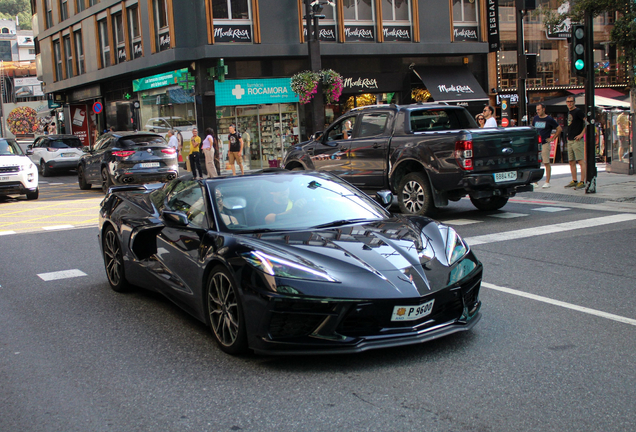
<point>290,202</point>
<point>72,143</point>
<point>9,147</point>
<point>141,140</point>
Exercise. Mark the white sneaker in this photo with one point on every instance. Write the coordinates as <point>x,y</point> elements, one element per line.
<point>545,185</point>
<point>535,184</point>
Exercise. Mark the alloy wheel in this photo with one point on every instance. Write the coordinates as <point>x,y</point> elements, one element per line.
<point>413,196</point>
<point>223,309</point>
<point>113,258</point>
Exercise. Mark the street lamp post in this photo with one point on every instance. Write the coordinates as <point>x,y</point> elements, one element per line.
<point>313,8</point>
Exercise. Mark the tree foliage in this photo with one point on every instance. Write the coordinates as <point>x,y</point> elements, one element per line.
<point>624,31</point>
<point>9,9</point>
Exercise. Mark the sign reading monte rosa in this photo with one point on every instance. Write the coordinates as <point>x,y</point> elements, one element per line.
<point>161,80</point>
<point>137,50</point>
<point>397,33</point>
<point>359,33</point>
<point>371,83</point>
<point>327,33</point>
<point>232,33</point>
<point>254,91</point>
<point>465,34</point>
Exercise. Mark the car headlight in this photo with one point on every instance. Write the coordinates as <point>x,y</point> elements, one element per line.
<point>281,267</point>
<point>456,248</point>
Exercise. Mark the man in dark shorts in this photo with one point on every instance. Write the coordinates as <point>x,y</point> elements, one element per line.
<point>576,143</point>
<point>235,152</point>
<point>545,124</point>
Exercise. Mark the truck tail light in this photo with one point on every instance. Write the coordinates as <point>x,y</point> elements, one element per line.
<point>540,147</point>
<point>123,153</point>
<point>464,154</point>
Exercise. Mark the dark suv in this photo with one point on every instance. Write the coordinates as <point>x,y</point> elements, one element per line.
<point>127,157</point>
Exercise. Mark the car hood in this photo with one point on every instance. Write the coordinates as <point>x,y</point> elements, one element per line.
<point>396,257</point>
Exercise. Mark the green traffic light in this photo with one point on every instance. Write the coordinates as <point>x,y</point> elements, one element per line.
<point>579,64</point>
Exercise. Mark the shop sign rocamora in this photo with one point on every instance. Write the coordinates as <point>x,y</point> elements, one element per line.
<point>254,91</point>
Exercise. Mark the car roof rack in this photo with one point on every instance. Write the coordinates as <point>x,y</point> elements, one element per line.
<point>374,106</point>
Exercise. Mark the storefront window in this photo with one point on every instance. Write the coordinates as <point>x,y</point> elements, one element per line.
<point>231,9</point>
<point>396,10</point>
<point>465,21</point>
<point>68,53</point>
<point>104,44</point>
<point>118,37</point>
<point>359,17</point>
<point>396,20</point>
<point>232,21</point>
<point>134,32</point>
<point>79,52</point>
<point>162,30</point>
<point>57,52</point>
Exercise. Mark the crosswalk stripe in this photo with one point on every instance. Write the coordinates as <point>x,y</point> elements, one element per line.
<point>507,215</point>
<point>461,222</point>
<point>57,227</point>
<point>549,229</point>
<point>550,209</point>
<point>64,274</point>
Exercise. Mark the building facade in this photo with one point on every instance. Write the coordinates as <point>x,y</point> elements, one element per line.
<point>146,64</point>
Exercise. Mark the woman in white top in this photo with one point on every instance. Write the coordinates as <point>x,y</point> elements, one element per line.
<point>208,150</point>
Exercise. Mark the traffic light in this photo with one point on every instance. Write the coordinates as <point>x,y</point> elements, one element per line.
<point>578,50</point>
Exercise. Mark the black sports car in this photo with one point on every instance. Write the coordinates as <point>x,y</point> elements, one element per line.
<point>291,262</point>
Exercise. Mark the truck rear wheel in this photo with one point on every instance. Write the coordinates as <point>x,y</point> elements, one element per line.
<point>490,203</point>
<point>414,195</point>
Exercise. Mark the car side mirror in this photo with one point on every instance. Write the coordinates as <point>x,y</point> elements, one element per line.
<point>175,217</point>
<point>385,197</point>
<point>86,149</point>
<point>317,135</point>
<point>29,151</point>
<point>30,146</point>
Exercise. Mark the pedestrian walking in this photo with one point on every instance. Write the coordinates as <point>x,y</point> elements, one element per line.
<point>172,139</point>
<point>208,152</point>
<point>549,130</point>
<point>489,115</point>
<point>576,143</point>
<point>195,154</point>
<point>236,149</point>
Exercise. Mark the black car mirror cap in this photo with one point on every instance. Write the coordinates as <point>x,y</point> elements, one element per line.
<point>385,197</point>
<point>175,217</point>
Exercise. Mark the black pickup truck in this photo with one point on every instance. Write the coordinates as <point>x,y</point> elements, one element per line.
<point>427,154</point>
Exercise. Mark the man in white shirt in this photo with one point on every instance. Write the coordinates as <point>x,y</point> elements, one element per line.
<point>489,116</point>
<point>172,139</point>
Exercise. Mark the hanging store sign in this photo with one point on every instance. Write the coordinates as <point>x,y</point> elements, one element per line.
<point>121,54</point>
<point>493,26</point>
<point>327,33</point>
<point>161,80</point>
<point>372,83</point>
<point>359,33</point>
<point>138,51</point>
<point>254,92</point>
<point>396,33</point>
<point>465,34</point>
<point>164,41</point>
<point>232,33</point>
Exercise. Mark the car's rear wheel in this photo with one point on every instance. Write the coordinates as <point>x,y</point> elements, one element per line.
<point>81,179</point>
<point>33,195</point>
<point>114,261</point>
<point>106,181</point>
<point>44,170</point>
<point>225,312</point>
<point>414,195</point>
<point>490,203</point>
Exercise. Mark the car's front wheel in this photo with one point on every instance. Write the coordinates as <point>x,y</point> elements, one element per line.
<point>114,261</point>
<point>106,181</point>
<point>490,203</point>
<point>225,312</point>
<point>44,170</point>
<point>414,195</point>
<point>81,179</point>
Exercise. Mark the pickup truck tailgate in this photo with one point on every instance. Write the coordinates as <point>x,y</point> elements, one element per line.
<point>500,150</point>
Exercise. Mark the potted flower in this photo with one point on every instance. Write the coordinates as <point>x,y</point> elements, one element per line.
<point>305,85</point>
<point>332,85</point>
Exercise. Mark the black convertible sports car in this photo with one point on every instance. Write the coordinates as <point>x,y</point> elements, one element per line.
<point>291,262</point>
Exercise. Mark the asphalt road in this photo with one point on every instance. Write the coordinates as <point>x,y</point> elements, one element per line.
<point>76,356</point>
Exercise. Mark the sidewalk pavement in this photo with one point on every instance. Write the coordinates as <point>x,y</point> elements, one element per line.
<point>611,189</point>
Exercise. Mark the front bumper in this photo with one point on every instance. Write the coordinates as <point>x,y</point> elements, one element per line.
<point>300,326</point>
<point>15,187</point>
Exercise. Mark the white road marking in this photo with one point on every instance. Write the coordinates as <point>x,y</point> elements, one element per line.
<point>550,209</point>
<point>57,227</point>
<point>6,233</point>
<point>549,229</point>
<point>559,303</point>
<point>56,184</point>
<point>461,222</point>
<point>64,274</point>
<point>507,215</point>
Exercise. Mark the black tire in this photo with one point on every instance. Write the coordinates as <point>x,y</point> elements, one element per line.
<point>44,170</point>
<point>81,179</point>
<point>414,195</point>
<point>106,181</point>
<point>33,195</point>
<point>224,312</point>
<point>297,169</point>
<point>490,203</point>
<point>114,261</point>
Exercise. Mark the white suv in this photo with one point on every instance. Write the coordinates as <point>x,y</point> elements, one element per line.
<point>55,153</point>
<point>162,125</point>
<point>18,175</point>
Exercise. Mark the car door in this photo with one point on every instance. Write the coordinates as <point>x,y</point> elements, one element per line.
<point>368,150</point>
<point>179,248</point>
<point>92,161</point>
<point>38,148</point>
<point>331,152</point>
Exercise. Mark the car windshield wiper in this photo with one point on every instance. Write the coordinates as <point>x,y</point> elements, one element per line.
<point>341,222</point>
<point>263,230</point>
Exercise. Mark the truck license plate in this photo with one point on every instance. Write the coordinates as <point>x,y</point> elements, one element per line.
<point>149,165</point>
<point>412,313</point>
<point>505,176</point>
